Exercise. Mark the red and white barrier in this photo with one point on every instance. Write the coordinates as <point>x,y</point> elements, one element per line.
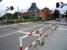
<point>21,39</point>
<point>30,46</point>
<point>39,33</point>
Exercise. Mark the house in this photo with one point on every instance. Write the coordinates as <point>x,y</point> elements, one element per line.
<point>45,13</point>
<point>35,11</point>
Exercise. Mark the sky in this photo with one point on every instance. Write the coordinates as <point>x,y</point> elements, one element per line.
<point>24,5</point>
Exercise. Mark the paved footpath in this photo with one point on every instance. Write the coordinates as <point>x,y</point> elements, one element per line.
<point>57,41</point>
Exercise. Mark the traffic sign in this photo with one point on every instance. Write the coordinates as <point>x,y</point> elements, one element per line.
<point>61,4</point>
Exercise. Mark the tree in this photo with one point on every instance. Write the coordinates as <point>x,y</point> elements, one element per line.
<point>15,15</point>
<point>8,16</point>
<point>56,14</point>
<point>11,16</point>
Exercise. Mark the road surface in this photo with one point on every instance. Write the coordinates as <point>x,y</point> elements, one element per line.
<point>57,41</point>
<point>9,35</point>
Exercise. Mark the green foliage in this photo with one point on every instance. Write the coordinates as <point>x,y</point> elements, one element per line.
<point>15,15</point>
<point>10,21</point>
<point>11,16</point>
<point>8,16</point>
<point>35,18</point>
<point>25,17</point>
<point>32,18</point>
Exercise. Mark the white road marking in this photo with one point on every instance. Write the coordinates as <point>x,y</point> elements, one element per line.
<point>22,31</point>
<point>8,34</point>
<point>32,27</point>
<point>61,29</point>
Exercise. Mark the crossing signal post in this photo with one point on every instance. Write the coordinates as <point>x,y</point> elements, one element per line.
<point>7,9</point>
<point>60,5</point>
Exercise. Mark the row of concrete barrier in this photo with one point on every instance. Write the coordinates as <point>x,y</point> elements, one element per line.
<point>42,34</point>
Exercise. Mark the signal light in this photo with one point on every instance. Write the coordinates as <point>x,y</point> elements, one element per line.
<point>11,8</point>
<point>57,5</point>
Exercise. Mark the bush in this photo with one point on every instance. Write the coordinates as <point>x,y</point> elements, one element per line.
<point>10,22</point>
<point>38,18</point>
<point>25,17</point>
<point>35,18</point>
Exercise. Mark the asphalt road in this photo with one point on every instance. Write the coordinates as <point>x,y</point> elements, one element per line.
<point>9,35</point>
<point>57,41</point>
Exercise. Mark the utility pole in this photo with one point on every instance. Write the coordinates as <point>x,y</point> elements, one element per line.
<point>7,9</point>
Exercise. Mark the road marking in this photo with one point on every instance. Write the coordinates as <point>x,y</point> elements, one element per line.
<point>32,27</point>
<point>8,34</point>
<point>27,33</point>
<point>22,31</point>
<point>61,29</point>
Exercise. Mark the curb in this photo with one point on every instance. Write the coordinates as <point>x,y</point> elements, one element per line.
<point>14,24</point>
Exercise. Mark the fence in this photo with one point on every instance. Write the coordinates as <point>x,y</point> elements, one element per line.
<point>40,36</point>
